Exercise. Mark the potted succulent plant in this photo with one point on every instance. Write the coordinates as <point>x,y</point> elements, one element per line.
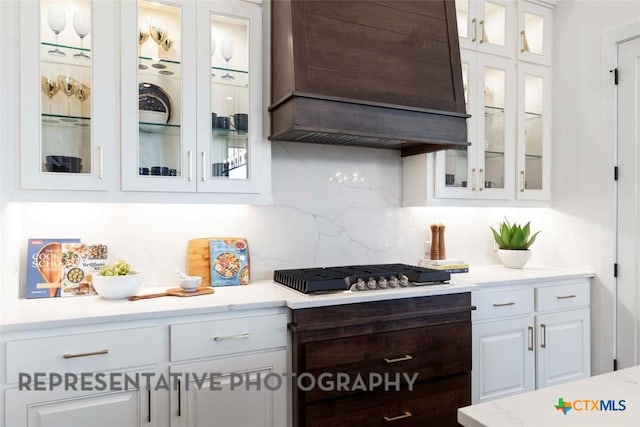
<point>514,242</point>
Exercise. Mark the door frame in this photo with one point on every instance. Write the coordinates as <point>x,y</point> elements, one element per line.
<point>609,51</point>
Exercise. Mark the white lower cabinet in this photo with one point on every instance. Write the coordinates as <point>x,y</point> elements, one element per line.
<point>563,347</point>
<point>243,391</point>
<point>130,407</point>
<point>503,359</point>
<point>520,346</point>
<point>240,356</point>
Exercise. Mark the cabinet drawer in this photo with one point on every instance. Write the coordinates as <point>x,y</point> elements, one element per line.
<point>491,305</point>
<point>224,336</point>
<point>90,352</point>
<point>431,352</point>
<point>562,296</point>
<point>430,403</point>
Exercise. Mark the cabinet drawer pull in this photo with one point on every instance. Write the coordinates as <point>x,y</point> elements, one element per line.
<point>483,36</point>
<point>399,359</point>
<point>530,338</point>
<point>543,341</point>
<point>190,164</point>
<point>475,30</point>
<point>522,181</point>
<point>179,398</point>
<point>149,405</point>
<point>100,162</point>
<point>473,180</point>
<point>93,353</point>
<point>566,296</point>
<point>232,337</point>
<point>406,414</point>
<point>504,304</point>
<point>523,40</point>
<point>204,166</point>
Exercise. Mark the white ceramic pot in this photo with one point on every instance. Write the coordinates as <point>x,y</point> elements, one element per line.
<point>514,259</point>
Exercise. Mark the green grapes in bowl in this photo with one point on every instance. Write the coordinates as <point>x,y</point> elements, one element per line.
<point>117,281</point>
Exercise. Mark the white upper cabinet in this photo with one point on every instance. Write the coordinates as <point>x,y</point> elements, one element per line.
<point>509,100</point>
<point>484,170</point>
<point>158,95</point>
<point>487,25</point>
<point>67,93</point>
<point>192,96</point>
<point>230,143</point>
<point>534,133</point>
<point>534,33</point>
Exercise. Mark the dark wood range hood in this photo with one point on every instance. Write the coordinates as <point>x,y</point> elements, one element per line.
<point>372,73</point>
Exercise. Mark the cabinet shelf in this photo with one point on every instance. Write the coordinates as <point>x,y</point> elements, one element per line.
<point>62,46</point>
<point>65,121</point>
<point>159,128</point>
<point>157,66</point>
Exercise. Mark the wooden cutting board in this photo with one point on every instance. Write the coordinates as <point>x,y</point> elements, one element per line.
<point>198,259</point>
<point>174,292</point>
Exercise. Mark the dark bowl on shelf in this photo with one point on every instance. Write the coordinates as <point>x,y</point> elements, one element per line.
<point>450,178</point>
<point>64,164</point>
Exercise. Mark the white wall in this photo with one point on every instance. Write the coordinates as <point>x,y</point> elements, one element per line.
<point>583,160</point>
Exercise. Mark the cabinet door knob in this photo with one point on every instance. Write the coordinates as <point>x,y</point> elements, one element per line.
<point>406,414</point>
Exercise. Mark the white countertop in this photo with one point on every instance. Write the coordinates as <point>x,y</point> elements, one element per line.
<point>537,408</point>
<point>26,314</point>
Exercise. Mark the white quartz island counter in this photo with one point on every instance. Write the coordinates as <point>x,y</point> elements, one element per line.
<point>538,408</point>
<point>53,312</point>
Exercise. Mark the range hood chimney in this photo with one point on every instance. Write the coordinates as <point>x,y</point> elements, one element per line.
<point>383,74</point>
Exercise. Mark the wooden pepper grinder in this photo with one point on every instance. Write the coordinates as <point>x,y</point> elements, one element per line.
<point>435,244</point>
<point>441,251</point>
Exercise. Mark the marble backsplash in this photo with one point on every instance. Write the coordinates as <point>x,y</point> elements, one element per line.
<point>331,206</point>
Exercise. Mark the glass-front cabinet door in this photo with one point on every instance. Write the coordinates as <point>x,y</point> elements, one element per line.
<point>534,132</point>
<point>456,169</point>
<point>486,25</point>
<point>534,33</point>
<point>496,127</point>
<point>158,95</point>
<point>229,96</point>
<point>67,87</point>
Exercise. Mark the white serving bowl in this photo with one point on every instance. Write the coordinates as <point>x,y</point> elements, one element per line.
<point>190,283</point>
<point>118,287</point>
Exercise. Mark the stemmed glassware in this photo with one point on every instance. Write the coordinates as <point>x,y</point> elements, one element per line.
<point>143,36</point>
<point>68,86</point>
<point>226,50</point>
<point>82,26</point>
<point>82,93</point>
<point>50,88</point>
<point>159,35</point>
<point>56,19</point>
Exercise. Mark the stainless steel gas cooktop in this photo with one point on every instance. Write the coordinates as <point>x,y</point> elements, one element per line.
<point>359,277</point>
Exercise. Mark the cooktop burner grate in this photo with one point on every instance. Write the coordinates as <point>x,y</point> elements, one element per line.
<point>310,280</point>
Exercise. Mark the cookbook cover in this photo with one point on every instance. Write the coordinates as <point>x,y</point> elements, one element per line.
<point>229,260</point>
<point>79,263</point>
<point>44,266</point>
